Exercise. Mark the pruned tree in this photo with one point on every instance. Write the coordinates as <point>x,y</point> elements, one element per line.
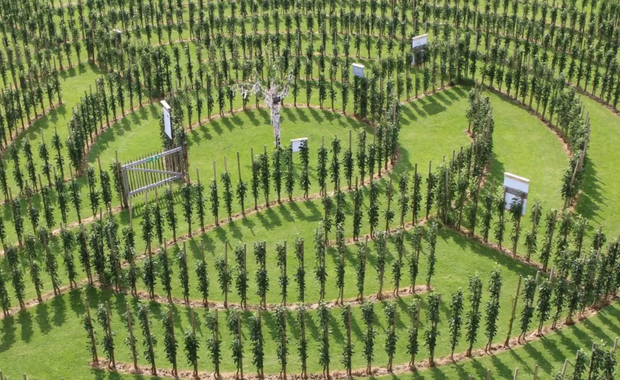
<point>432,332</point>
<point>473,315</point>
<point>456,320</point>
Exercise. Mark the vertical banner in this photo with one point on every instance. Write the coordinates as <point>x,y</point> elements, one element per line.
<point>167,122</point>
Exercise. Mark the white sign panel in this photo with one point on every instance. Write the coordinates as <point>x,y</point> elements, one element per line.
<point>167,123</point>
<point>358,70</point>
<point>516,187</point>
<point>419,41</point>
<point>296,143</point>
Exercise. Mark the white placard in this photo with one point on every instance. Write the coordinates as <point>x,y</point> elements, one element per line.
<point>167,123</point>
<point>358,70</point>
<point>419,41</point>
<point>296,143</point>
<point>516,187</point>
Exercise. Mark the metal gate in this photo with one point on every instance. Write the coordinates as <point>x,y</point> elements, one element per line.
<point>153,171</point>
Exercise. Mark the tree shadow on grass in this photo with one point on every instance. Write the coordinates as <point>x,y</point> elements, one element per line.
<point>504,261</point>
<point>8,333</point>
<point>25,321</point>
<point>591,199</point>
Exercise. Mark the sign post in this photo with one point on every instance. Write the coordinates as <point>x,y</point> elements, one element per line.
<point>417,44</point>
<point>167,122</point>
<point>358,70</point>
<point>515,187</point>
<point>296,143</point>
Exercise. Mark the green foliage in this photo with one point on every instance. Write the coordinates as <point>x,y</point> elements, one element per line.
<point>300,273</point>
<point>432,317</point>
<point>456,319</point>
<point>473,315</point>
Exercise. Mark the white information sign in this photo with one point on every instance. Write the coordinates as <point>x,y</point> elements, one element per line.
<point>358,70</point>
<point>296,143</point>
<point>167,122</point>
<point>419,41</point>
<point>515,187</point>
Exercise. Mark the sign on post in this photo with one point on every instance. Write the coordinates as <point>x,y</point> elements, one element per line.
<point>419,41</point>
<point>358,70</point>
<point>417,44</point>
<point>167,122</point>
<point>296,143</point>
<point>515,187</point>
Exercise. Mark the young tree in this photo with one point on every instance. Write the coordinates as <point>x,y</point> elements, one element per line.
<point>321,168</point>
<point>334,168</point>
<point>188,209</point>
<point>324,354</point>
<point>93,194</point>
<point>358,199</point>
<point>257,342</point>
<point>289,174</point>
<point>545,252</point>
<point>277,172</point>
<point>192,346</point>
<point>432,332</point>
<point>171,217</point>
<point>280,315</point>
<point>5,299</point>
<point>149,275</point>
<point>281,262</point>
<point>529,291</point>
<point>17,279</point>
<point>473,315</point>
<point>200,201</point>
<point>170,342</point>
<point>361,155</point>
<point>456,320</point>
<point>492,307</point>
<point>416,245</point>
<point>68,243</point>
<point>413,310</point>
<point>487,216</point>
<point>531,238</point>
<point>223,275</point>
<point>432,243</point>
<point>90,329</point>
<point>227,193</point>
<point>234,325</point>
<point>320,272</point>
<point>213,343</point>
<point>368,315</point>
<point>516,209</point>
<point>184,273</point>
<point>33,263</point>
<point>300,273</point>
<point>500,225</point>
<point>165,272</point>
<point>148,339</point>
<point>416,195</point>
<point>373,207</point>
<point>543,305</point>
<point>265,175</point>
<point>262,279</point>
<point>203,278</point>
<point>391,338</point>
<point>382,252</point>
<point>241,278</point>
<point>304,156</point>
<point>103,317</point>
<point>147,226</point>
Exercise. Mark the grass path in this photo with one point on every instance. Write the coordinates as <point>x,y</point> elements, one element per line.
<point>600,199</point>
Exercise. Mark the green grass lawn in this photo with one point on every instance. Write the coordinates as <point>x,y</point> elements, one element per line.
<point>600,198</point>
<point>50,337</point>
